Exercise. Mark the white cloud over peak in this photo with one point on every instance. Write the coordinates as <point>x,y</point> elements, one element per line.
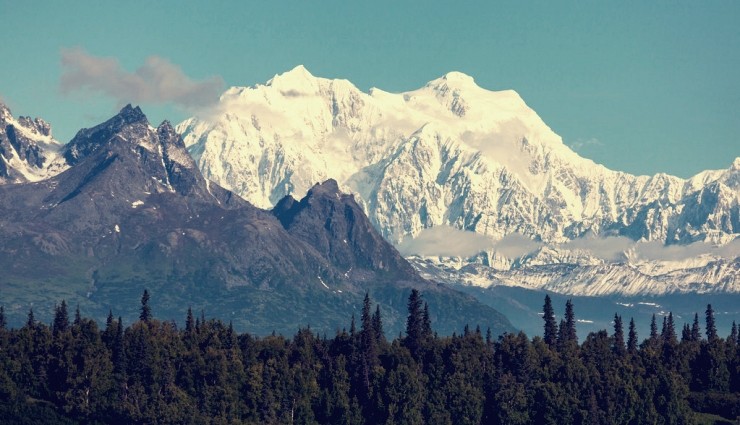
<point>656,251</point>
<point>610,248</point>
<point>157,81</point>
<point>445,241</point>
<point>579,144</point>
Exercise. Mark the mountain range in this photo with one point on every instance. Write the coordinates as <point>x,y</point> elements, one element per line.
<point>123,207</point>
<point>469,185</point>
<point>454,161</point>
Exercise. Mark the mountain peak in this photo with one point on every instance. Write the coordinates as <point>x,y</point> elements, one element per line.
<point>456,76</point>
<point>131,114</point>
<point>4,112</point>
<point>166,126</point>
<point>330,187</point>
<point>298,76</point>
<point>453,79</point>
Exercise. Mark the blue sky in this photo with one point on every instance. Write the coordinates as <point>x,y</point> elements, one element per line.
<point>642,87</point>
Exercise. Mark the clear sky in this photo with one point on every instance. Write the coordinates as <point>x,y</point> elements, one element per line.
<point>642,87</point>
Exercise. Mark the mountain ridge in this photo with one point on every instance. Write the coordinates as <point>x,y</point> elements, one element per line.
<point>450,153</point>
<point>132,211</point>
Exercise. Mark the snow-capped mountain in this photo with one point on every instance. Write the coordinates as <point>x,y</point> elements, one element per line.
<point>28,152</point>
<point>450,153</point>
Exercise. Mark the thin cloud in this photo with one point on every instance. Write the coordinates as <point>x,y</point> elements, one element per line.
<point>515,245</point>
<point>657,251</point>
<point>611,248</point>
<point>617,248</point>
<point>445,241</point>
<point>156,81</point>
<point>579,144</point>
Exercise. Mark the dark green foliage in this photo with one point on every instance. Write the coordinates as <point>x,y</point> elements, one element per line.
<point>415,324</point>
<point>61,319</point>
<point>154,372</point>
<point>653,329</point>
<point>551,327</point>
<point>695,330</point>
<point>618,335</point>
<point>632,338</point>
<point>711,328</point>
<point>378,324</point>
<point>146,311</point>
<point>570,322</point>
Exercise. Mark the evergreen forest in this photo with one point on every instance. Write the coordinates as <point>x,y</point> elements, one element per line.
<point>204,372</point>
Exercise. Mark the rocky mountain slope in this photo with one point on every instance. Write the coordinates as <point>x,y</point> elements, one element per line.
<point>28,152</point>
<point>132,211</point>
<point>454,154</point>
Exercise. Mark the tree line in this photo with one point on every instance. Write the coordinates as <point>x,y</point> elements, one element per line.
<point>151,372</point>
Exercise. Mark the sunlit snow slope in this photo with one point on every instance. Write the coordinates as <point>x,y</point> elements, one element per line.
<point>450,153</point>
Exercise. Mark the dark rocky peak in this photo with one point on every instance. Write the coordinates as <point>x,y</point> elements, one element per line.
<point>323,199</point>
<point>145,159</point>
<point>130,115</point>
<point>36,125</point>
<point>27,149</point>
<point>173,147</point>
<point>5,113</point>
<point>130,124</point>
<point>329,187</point>
<point>334,224</point>
<point>285,210</point>
<point>166,130</point>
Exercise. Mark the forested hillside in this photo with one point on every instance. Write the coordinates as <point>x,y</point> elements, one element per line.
<point>204,372</point>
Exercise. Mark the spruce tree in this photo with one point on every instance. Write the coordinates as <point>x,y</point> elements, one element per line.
<point>570,322</point>
<point>414,322</point>
<point>117,354</point>
<point>368,350</point>
<point>669,330</point>
<point>686,333</point>
<point>61,319</point>
<point>711,327</point>
<point>653,329</point>
<point>3,324</point>
<point>78,316</point>
<point>366,320</point>
<point>632,338</point>
<point>109,321</point>
<point>189,322</point>
<point>551,327</point>
<point>30,320</point>
<point>695,329</point>
<point>378,324</point>
<point>562,335</point>
<point>426,324</point>
<point>146,311</point>
<point>368,340</point>
<point>618,335</point>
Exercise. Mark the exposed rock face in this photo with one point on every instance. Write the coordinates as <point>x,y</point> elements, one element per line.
<point>27,149</point>
<point>336,226</point>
